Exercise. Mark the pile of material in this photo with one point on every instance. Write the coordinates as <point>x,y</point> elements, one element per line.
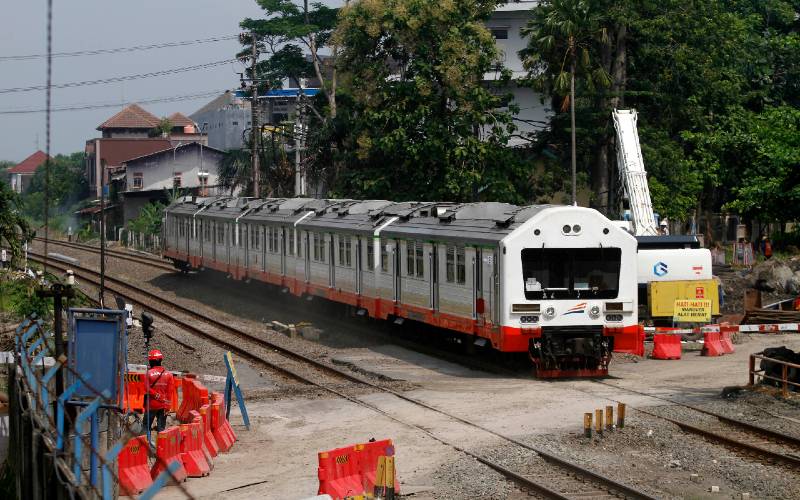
<point>775,370</point>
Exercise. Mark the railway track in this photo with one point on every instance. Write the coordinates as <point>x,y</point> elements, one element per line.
<point>745,438</point>
<point>557,478</point>
<point>140,259</point>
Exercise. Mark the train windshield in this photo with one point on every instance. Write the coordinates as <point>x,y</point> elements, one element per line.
<point>571,273</point>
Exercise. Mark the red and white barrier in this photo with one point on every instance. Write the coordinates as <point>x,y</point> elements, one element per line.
<point>765,328</point>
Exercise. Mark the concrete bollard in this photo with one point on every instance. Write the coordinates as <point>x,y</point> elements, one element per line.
<point>598,424</point>
<point>620,415</point>
<point>609,418</point>
<point>587,424</point>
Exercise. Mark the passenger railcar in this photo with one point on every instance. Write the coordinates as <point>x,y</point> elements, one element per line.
<point>557,282</point>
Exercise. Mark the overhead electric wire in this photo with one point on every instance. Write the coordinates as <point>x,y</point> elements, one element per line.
<point>119,78</point>
<point>110,104</point>
<point>133,48</point>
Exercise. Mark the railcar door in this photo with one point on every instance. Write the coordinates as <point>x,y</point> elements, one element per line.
<point>359,274</point>
<point>245,243</point>
<point>433,265</point>
<point>477,295</point>
<point>305,239</point>
<point>331,261</point>
<point>283,250</point>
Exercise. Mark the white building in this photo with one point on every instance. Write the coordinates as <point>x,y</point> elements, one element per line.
<point>505,25</point>
<point>192,168</point>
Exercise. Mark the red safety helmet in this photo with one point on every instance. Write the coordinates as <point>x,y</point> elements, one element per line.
<point>155,355</point>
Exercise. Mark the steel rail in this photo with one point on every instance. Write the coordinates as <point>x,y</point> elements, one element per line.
<point>150,261</point>
<point>753,429</point>
<point>567,468</point>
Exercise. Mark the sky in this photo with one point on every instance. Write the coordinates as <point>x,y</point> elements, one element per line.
<point>80,25</point>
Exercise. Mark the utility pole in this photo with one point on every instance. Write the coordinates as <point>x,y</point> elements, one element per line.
<point>299,142</point>
<point>256,128</point>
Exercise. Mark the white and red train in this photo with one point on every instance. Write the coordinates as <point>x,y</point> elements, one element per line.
<point>558,282</point>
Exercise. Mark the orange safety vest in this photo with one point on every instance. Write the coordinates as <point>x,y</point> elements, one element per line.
<point>162,384</point>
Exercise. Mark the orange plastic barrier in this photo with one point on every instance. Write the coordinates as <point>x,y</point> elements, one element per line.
<point>174,404</point>
<point>190,400</point>
<point>208,436</point>
<point>629,339</point>
<point>223,439</point>
<point>133,397</point>
<point>726,342</point>
<point>351,471</point>
<point>134,471</point>
<point>666,346</point>
<point>368,462</point>
<point>168,450</point>
<point>339,473</point>
<point>197,418</point>
<point>194,461</point>
<point>712,344</point>
<point>223,425</point>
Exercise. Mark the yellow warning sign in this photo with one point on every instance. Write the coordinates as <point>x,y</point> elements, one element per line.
<point>693,311</point>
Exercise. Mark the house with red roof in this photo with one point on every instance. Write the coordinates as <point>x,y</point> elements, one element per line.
<point>22,173</point>
<point>132,133</point>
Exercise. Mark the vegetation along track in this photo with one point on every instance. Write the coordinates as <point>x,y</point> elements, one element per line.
<point>748,439</point>
<point>557,478</point>
<point>140,259</point>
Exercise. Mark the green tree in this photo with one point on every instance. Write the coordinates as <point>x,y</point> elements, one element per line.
<point>67,186</point>
<point>14,228</point>
<point>4,166</point>
<point>277,170</point>
<point>562,34</point>
<point>421,122</point>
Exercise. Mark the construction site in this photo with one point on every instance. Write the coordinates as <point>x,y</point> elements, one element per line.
<point>305,360</point>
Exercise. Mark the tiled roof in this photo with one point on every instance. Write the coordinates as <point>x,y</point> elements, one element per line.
<point>117,151</point>
<point>179,120</point>
<point>29,164</point>
<point>132,116</point>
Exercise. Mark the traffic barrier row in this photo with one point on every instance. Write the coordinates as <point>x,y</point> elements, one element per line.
<point>193,445</point>
<point>354,470</point>
<point>763,328</point>
<point>666,346</point>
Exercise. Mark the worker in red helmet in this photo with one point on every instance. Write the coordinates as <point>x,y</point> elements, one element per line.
<point>161,388</point>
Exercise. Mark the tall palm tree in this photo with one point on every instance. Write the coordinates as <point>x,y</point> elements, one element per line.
<point>561,34</point>
<point>14,228</point>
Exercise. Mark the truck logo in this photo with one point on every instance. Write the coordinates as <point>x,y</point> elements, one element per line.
<point>578,309</point>
<point>660,269</point>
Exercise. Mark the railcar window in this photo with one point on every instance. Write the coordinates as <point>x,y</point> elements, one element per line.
<point>370,255</point>
<point>345,251</point>
<point>414,259</point>
<point>319,247</point>
<point>455,265</point>
<point>571,273</point>
<point>291,242</point>
<point>384,256</point>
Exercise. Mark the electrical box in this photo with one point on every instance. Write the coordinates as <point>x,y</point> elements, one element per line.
<point>662,295</point>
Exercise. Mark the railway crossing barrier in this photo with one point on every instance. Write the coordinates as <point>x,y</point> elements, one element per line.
<point>192,456</point>
<point>666,346</point>
<point>134,470</point>
<point>168,451</point>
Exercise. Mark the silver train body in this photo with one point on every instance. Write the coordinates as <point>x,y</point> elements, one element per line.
<point>558,282</point>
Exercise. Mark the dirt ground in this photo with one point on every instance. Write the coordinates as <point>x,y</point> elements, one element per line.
<point>276,458</point>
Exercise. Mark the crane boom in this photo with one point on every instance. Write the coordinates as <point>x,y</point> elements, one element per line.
<point>632,172</point>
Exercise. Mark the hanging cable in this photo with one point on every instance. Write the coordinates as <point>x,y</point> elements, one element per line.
<point>112,104</point>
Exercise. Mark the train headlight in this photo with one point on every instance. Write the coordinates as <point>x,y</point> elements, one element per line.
<point>594,312</point>
<point>550,312</point>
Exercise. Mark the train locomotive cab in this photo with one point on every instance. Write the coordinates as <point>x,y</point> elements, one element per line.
<point>570,290</point>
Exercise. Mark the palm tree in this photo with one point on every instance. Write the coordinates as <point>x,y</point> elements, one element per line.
<point>14,228</point>
<point>561,33</point>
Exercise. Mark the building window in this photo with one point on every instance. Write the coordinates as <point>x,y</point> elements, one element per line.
<point>456,265</point>
<point>235,124</point>
<point>345,251</point>
<point>138,181</point>
<point>176,180</point>
<point>414,259</point>
<point>319,247</point>
<point>500,33</point>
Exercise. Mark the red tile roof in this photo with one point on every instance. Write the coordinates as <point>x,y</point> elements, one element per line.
<point>29,164</point>
<point>179,120</point>
<point>132,116</point>
<point>116,151</point>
